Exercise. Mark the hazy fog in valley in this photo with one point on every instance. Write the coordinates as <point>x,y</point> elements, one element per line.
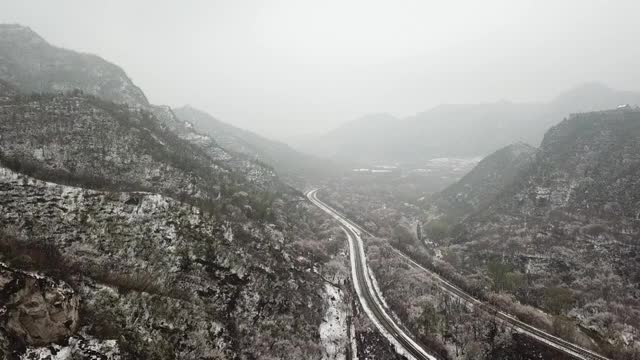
<point>289,68</point>
<point>322,180</point>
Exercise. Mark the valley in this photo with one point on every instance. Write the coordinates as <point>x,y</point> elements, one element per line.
<point>454,227</point>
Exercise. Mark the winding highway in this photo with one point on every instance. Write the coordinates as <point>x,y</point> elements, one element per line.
<point>373,304</point>
<point>370,299</point>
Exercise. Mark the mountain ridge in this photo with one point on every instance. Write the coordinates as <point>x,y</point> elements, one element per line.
<point>460,130</point>
<point>174,246</point>
<point>484,182</point>
<point>287,162</point>
<point>31,64</point>
<point>567,221</point>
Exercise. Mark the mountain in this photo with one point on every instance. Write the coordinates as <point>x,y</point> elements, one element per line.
<point>285,160</point>
<point>145,267</point>
<point>458,130</point>
<point>591,97</point>
<point>81,139</point>
<point>127,233</point>
<point>32,65</point>
<point>567,228</point>
<point>361,139</point>
<point>29,64</point>
<point>486,180</point>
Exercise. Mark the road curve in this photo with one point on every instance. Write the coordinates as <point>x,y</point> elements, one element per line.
<point>369,297</point>
<point>557,343</point>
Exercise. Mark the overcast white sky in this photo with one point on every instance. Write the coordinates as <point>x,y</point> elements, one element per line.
<point>290,67</point>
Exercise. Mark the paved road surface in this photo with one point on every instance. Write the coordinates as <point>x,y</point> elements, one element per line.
<point>369,298</point>
<point>355,231</point>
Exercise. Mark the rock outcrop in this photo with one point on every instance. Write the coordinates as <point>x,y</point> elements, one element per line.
<point>76,348</point>
<point>36,309</point>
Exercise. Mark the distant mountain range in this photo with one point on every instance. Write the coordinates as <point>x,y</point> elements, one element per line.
<point>457,130</point>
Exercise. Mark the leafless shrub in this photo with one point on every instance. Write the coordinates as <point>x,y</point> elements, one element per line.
<point>32,254</point>
<point>140,281</point>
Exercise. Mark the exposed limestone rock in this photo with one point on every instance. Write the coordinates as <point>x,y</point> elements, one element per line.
<point>78,348</point>
<point>36,309</point>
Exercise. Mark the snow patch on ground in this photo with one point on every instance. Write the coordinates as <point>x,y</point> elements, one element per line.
<point>333,330</point>
<point>352,249</point>
<point>78,348</point>
<point>353,341</point>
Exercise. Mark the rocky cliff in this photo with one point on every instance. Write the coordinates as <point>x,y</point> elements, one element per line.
<point>35,309</point>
